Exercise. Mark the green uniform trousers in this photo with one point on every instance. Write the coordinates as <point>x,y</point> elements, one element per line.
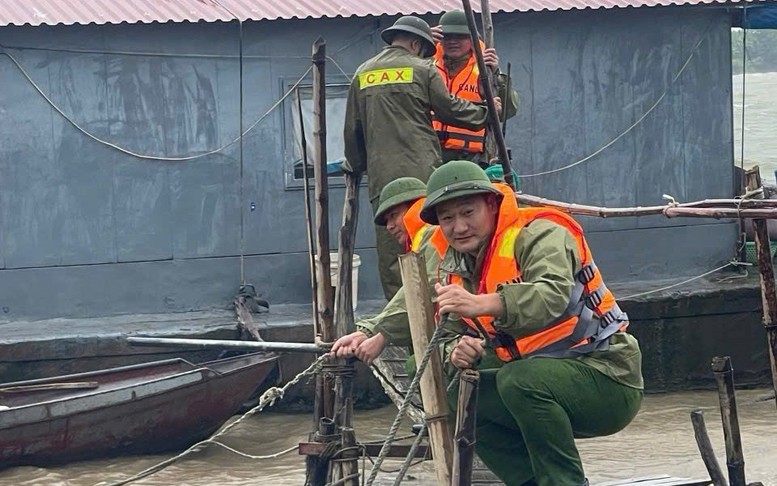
<point>530,411</point>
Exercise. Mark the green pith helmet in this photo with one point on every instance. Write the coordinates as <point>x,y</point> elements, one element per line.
<point>412,25</point>
<point>398,191</point>
<point>455,179</point>
<point>454,22</point>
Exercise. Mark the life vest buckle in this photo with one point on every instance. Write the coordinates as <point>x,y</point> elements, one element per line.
<point>595,298</point>
<point>586,274</point>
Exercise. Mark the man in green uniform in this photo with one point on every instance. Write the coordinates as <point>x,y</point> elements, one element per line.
<point>388,126</point>
<point>536,395</point>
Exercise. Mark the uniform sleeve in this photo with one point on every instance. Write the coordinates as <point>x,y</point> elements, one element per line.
<point>391,322</point>
<point>452,110</point>
<point>548,258</point>
<point>353,133</point>
<point>512,101</point>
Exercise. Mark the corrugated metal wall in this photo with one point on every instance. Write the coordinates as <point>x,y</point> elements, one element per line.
<point>86,230</point>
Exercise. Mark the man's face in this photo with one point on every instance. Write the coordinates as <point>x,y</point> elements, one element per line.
<point>394,223</point>
<point>468,222</point>
<point>456,46</point>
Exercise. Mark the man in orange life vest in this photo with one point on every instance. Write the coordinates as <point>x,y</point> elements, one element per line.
<point>399,210</point>
<point>536,320</point>
<point>456,62</point>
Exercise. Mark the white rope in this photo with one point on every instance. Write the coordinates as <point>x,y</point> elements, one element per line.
<point>144,156</point>
<point>731,263</point>
<point>634,125</point>
<point>251,456</point>
<point>268,398</point>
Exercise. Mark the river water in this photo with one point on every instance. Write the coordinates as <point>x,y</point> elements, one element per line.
<point>760,122</point>
<point>658,441</point>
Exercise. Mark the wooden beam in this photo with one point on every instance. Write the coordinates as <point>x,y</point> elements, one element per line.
<point>422,324</point>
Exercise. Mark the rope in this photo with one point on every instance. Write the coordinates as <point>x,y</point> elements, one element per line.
<point>634,125</point>
<point>408,462</point>
<point>731,263</point>
<point>251,456</point>
<point>268,398</point>
<point>436,337</point>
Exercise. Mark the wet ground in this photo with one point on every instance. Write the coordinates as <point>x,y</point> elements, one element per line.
<point>659,441</point>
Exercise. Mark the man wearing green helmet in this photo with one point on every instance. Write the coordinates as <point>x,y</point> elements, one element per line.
<point>388,126</point>
<point>456,62</point>
<point>399,210</point>
<point>536,319</point>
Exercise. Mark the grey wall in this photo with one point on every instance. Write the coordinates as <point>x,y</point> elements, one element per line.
<point>86,230</point>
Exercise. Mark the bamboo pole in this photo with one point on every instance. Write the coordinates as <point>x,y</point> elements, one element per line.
<point>735,461</point>
<point>421,318</point>
<point>318,466</point>
<point>706,450</point>
<point>766,272</point>
<point>345,469</point>
<point>344,322</point>
<point>488,94</point>
<point>491,148</point>
<point>308,216</point>
<point>466,417</point>
<point>324,291</point>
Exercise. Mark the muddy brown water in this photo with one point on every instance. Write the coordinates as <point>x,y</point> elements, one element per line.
<point>658,441</point>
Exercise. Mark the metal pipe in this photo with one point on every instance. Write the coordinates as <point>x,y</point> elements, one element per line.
<point>222,343</point>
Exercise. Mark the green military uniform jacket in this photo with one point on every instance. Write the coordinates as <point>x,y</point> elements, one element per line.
<point>388,123</point>
<point>548,258</point>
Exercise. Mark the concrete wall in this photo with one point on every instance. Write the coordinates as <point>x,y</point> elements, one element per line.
<point>88,230</point>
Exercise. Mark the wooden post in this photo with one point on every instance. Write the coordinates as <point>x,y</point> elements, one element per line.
<point>318,466</point>
<point>323,407</point>
<point>735,461</point>
<point>345,470</point>
<point>420,314</point>
<point>466,416</point>
<point>324,291</point>
<point>491,149</point>
<point>344,321</point>
<point>706,450</point>
<point>766,271</point>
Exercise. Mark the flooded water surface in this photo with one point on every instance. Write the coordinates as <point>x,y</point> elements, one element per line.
<point>659,441</point>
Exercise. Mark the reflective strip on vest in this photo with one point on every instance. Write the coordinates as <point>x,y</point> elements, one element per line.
<point>379,77</point>
<point>464,85</point>
<point>592,314</point>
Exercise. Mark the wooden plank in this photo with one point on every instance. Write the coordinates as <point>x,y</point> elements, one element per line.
<point>420,314</point>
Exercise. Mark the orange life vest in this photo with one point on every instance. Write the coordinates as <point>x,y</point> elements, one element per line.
<point>416,228</point>
<point>592,314</point>
<point>463,85</point>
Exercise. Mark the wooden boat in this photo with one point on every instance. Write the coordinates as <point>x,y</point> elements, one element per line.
<point>142,408</point>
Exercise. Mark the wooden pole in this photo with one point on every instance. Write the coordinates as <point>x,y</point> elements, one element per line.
<point>318,466</point>
<point>491,148</point>
<point>344,321</point>
<point>345,469</point>
<point>420,315</point>
<point>766,271</point>
<point>324,291</point>
<point>466,416</point>
<point>706,450</point>
<point>488,94</point>
<point>323,408</point>
<point>308,215</point>
<point>735,461</point>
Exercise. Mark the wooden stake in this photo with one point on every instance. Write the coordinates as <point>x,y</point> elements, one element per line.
<point>735,461</point>
<point>344,320</point>
<point>766,271</point>
<point>491,148</point>
<point>345,470</point>
<point>421,317</point>
<point>318,466</point>
<point>706,450</point>
<point>466,416</point>
<point>324,291</point>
